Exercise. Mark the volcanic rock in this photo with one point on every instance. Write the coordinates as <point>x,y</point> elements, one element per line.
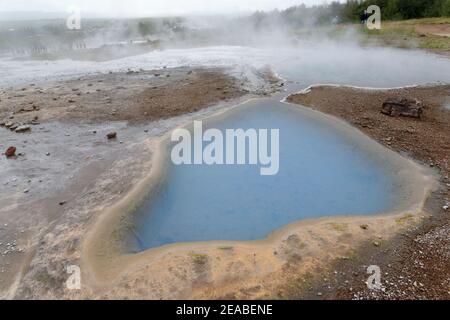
<point>402,108</point>
<point>10,152</point>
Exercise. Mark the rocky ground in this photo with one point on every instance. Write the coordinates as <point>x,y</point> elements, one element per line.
<point>416,264</point>
<point>134,96</point>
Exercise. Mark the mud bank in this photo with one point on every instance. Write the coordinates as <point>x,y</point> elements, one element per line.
<point>233,269</point>
<point>415,263</point>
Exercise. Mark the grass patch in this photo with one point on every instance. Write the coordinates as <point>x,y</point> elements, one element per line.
<point>301,245</point>
<point>339,227</point>
<point>199,258</point>
<point>350,255</point>
<point>403,34</point>
<point>48,280</point>
<point>441,20</point>
<point>406,218</point>
<point>434,42</point>
<point>226,248</point>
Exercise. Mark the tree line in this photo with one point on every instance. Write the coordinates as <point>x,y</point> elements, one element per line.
<point>351,11</point>
<point>396,9</point>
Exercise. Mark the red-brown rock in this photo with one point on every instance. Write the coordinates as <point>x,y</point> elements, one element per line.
<point>10,152</point>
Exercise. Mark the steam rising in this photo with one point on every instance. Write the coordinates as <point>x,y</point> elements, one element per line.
<point>298,43</point>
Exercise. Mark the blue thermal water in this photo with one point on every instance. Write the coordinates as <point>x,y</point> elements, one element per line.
<point>321,174</point>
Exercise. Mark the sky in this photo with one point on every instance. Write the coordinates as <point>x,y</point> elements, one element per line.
<point>127,8</point>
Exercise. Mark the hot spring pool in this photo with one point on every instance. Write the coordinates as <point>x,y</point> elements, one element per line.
<point>322,173</point>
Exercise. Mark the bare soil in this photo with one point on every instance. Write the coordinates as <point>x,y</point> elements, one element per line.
<point>134,96</point>
<point>435,29</point>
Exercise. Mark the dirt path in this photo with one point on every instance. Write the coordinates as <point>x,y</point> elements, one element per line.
<point>416,264</point>
<point>434,29</point>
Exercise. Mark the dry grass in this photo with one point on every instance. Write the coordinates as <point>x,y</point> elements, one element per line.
<point>404,219</point>
<point>199,258</point>
<point>339,227</point>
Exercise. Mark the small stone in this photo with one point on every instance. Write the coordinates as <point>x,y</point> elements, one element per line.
<point>27,109</point>
<point>364,226</point>
<point>403,107</point>
<point>376,243</point>
<point>23,128</point>
<point>111,135</point>
<point>445,207</point>
<point>62,203</point>
<point>10,152</point>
